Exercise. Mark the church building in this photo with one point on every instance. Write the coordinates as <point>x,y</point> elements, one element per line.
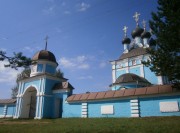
<point>135,91</point>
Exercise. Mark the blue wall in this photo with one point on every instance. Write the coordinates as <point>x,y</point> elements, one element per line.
<point>121,108</point>
<point>135,70</point>
<point>50,69</point>
<point>150,106</point>
<point>49,83</point>
<point>48,109</point>
<point>11,109</point>
<point>150,76</point>
<point>71,110</point>
<point>119,73</point>
<point>35,83</point>
<point>40,67</point>
<point>1,109</point>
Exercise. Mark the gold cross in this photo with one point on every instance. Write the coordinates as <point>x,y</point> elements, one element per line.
<point>136,17</point>
<point>125,30</point>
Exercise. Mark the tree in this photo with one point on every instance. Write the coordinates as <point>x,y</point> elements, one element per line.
<point>17,60</point>
<point>59,73</point>
<point>165,25</point>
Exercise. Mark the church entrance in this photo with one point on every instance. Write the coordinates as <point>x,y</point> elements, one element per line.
<point>29,103</point>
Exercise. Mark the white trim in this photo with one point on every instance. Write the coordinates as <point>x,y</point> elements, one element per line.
<point>20,107</point>
<point>84,110</point>
<point>113,76</point>
<point>84,104</point>
<point>40,108</point>
<point>134,104</point>
<point>142,71</point>
<point>29,86</point>
<point>37,107</point>
<point>134,108</point>
<point>134,111</point>
<point>134,101</point>
<point>45,75</point>
<point>84,107</point>
<point>134,115</point>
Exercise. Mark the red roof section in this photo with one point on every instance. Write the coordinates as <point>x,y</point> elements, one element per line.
<point>159,89</point>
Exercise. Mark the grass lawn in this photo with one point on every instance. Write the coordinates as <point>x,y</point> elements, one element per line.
<point>92,125</point>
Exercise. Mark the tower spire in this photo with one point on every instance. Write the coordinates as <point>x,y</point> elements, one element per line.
<point>46,39</point>
<point>136,17</point>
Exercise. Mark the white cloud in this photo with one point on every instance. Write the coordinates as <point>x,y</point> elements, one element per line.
<point>83,66</point>
<point>8,75</point>
<point>27,48</point>
<point>82,7</point>
<point>30,49</point>
<point>85,77</point>
<point>67,63</point>
<point>79,62</point>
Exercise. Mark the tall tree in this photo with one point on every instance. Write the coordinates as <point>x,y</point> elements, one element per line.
<point>165,25</point>
<point>17,60</point>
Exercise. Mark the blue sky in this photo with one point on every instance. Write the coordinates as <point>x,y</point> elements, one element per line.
<point>84,35</point>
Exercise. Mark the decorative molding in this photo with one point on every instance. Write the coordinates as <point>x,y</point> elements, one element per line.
<point>84,110</point>
<point>134,108</point>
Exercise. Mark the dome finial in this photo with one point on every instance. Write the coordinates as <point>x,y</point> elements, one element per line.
<point>46,39</point>
<point>125,31</point>
<point>136,17</point>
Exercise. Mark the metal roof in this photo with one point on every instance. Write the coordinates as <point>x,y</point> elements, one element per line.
<point>7,101</point>
<point>158,89</point>
<point>44,55</point>
<point>130,77</point>
<point>133,53</point>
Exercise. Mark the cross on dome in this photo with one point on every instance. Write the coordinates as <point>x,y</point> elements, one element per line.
<point>136,17</point>
<point>125,30</point>
<point>144,24</point>
<point>46,39</point>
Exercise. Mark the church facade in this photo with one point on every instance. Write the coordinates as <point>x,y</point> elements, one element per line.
<point>135,90</point>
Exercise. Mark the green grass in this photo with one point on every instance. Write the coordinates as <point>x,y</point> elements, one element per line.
<point>92,125</point>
